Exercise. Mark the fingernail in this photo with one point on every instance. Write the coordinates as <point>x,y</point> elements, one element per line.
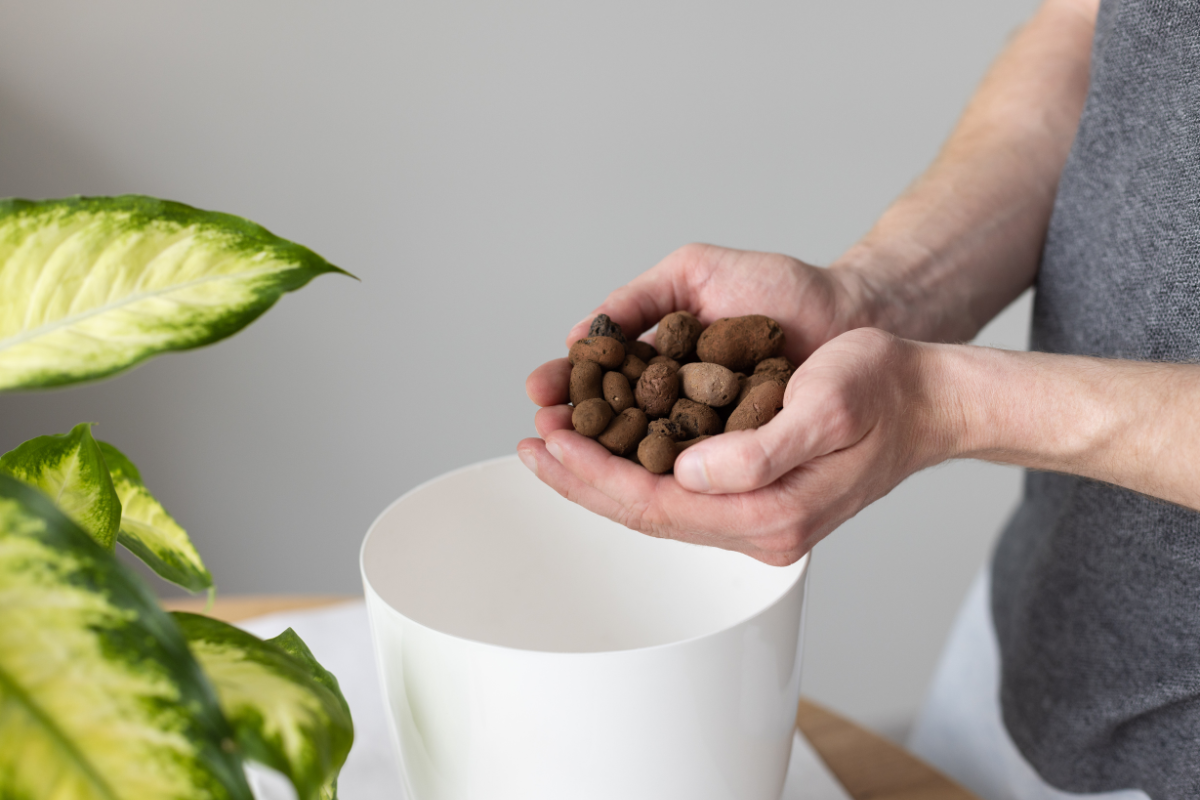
<point>554,450</point>
<point>691,472</point>
<point>528,459</point>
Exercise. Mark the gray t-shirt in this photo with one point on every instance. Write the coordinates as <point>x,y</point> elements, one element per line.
<point>1096,589</point>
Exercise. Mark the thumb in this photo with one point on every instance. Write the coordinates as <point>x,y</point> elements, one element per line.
<point>742,461</point>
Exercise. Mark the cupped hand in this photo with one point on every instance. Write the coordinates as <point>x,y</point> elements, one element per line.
<point>812,304</point>
<point>860,414</point>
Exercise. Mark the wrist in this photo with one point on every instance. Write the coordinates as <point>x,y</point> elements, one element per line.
<point>943,425</point>
<point>894,287</point>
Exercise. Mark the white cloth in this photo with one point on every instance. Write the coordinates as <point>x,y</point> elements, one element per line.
<point>959,729</point>
<point>340,637</point>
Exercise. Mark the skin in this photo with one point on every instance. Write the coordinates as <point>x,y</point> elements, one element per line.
<point>883,391</point>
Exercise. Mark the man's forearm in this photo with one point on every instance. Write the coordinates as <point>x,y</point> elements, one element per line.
<point>1129,423</point>
<point>966,238</point>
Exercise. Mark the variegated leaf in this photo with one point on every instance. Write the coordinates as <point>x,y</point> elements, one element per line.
<point>100,698</point>
<point>90,286</point>
<point>286,709</point>
<point>70,469</point>
<point>149,531</point>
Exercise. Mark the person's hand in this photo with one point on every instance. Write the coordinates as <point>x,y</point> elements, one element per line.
<point>846,435</point>
<point>859,416</point>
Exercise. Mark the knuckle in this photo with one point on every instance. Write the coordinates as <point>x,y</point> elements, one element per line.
<point>691,253</point>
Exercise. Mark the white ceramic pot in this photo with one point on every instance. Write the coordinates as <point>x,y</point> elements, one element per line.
<point>531,649</point>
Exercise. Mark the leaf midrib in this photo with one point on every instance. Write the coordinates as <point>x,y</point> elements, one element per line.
<point>14,689</point>
<point>43,330</point>
<point>67,477</point>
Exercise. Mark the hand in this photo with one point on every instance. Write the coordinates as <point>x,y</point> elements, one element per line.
<point>859,416</point>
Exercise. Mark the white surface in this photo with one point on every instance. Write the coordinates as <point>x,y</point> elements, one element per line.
<point>340,638</point>
<point>960,731</point>
<point>533,650</point>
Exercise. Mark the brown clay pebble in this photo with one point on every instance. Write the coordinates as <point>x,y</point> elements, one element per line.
<point>667,427</point>
<point>740,342</point>
<point>617,392</point>
<point>604,350</point>
<point>681,446</point>
<point>603,325</point>
<point>760,407</point>
<point>657,390</point>
<point>622,435</point>
<point>677,334</point>
<point>657,453</point>
<point>696,419</point>
<point>632,368</point>
<point>586,377</point>
<point>592,417</point>
<point>670,362</point>
<point>777,364</point>
<point>754,381</point>
<point>706,383</point>
<point>643,350</point>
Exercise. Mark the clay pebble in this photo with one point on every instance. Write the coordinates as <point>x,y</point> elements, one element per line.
<point>670,362</point>
<point>710,384</point>
<point>779,365</point>
<point>643,350</point>
<point>586,382</point>
<point>617,392</point>
<point>760,407</point>
<point>667,427</point>
<point>739,343</point>
<point>695,419</point>
<point>622,435</point>
<point>754,381</point>
<point>603,325</point>
<point>684,445</point>
<point>604,350</point>
<point>677,335</point>
<point>632,368</point>
<point>592,417</point>
<point>657,453</point>
<point>657,390</point>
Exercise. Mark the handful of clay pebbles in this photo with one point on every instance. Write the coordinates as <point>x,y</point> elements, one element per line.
<point>652,404</point>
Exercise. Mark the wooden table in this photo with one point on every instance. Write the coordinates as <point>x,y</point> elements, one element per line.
<point>867,765</point>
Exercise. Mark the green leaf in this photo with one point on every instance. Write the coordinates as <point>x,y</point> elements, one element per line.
<point>90,286</point>
<point>149,531</point>
<point>100,698</point>
<point>286,709</point>
<point>70,469</point>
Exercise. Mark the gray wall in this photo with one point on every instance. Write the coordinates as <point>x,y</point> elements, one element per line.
<point>490,171</point>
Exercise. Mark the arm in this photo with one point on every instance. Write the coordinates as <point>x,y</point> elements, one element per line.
<point>1129,423</point>
<point>867,408</point>
<point>966,238</point>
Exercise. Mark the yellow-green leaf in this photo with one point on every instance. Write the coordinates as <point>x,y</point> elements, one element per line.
<point>70,469</point>
<point>90,286</point>
<point>100,698</point>
<point>286,709</point>
<point>149,531</point>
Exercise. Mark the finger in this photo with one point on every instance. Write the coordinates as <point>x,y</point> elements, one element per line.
<point>641,303</point>
<point>549,471</point>
<point>547,385</point>
<point>658,505</point>
<point>813,424</point>
<point>552,418</point>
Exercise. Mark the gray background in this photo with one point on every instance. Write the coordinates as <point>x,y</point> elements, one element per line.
<point>491,171</point>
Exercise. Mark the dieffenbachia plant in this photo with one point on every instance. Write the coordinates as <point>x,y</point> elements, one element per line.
<point>102,694</point>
